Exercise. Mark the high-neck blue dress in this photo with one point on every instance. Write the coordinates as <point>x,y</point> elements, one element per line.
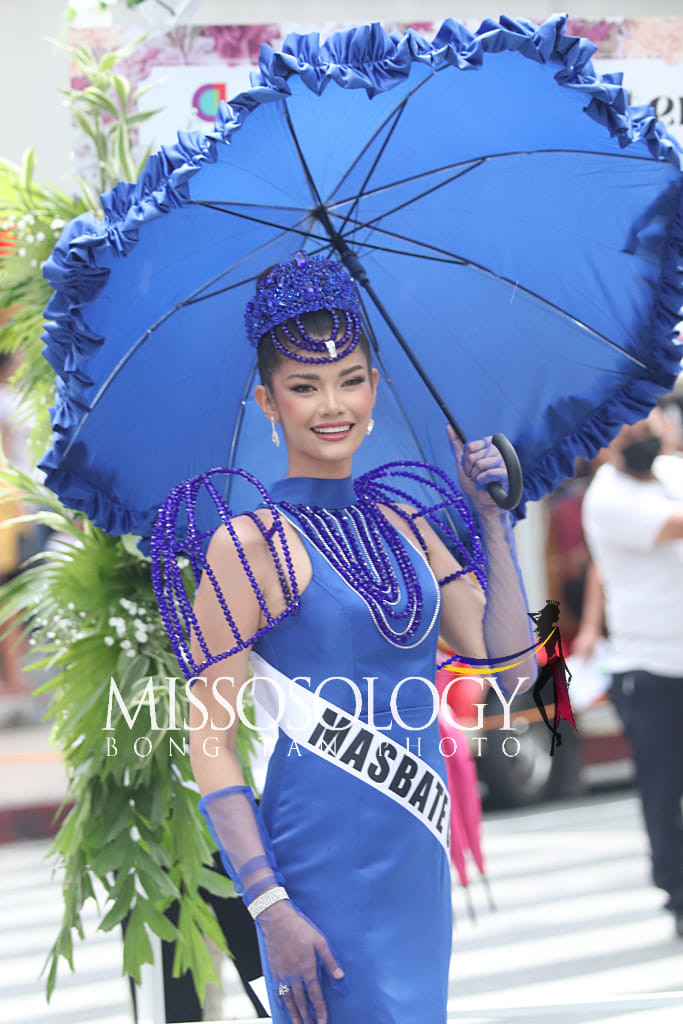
<point>368,874</point>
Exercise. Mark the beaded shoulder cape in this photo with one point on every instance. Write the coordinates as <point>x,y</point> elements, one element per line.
<point>344,519</point>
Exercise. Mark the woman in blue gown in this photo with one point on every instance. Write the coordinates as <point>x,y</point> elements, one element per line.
<point>338,599</point>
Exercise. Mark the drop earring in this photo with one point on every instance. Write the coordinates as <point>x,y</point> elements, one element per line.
<point>370,426</point>
<point>275,437</point>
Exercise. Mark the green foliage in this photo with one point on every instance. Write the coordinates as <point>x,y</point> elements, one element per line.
<point>103,5</point>
<point>31,217</point>
<point>106,111</point>
<point>33,213</point>
<point>134,839</point>
<point>134,832</point>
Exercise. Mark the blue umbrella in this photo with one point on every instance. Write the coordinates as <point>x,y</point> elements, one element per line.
<point>498,200</point>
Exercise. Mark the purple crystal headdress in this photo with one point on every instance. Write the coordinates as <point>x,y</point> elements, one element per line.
<point>305,284</point>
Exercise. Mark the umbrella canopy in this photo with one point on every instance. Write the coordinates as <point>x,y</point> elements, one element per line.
<point>522,225</point>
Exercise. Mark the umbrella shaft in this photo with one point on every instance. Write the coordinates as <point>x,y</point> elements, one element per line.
<point>359,273</point>
<point>413,358</point>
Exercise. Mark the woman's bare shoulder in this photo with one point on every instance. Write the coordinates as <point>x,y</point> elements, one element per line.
<point>248,536</point>
<point>240,534</point>
<point>407,518</point>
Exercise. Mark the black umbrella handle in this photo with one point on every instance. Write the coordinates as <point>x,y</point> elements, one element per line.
<point>515,478</point>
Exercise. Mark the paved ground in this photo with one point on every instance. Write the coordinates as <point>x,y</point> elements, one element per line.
<point>579,935</point>
<point>32,779</point>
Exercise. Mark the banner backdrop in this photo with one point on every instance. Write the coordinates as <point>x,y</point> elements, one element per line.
<point>192,67</point>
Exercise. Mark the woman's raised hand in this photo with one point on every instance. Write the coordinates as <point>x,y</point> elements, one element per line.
<point>479,464</point>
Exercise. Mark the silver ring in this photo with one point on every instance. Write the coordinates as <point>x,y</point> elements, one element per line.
<point>283,990</point>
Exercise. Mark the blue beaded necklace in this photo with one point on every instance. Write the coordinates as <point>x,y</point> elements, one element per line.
<point>351,541</point>
<point>349,527</point>
<point>351,530</point>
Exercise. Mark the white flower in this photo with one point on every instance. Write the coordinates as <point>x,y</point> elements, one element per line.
<point>130,654</point>
<point>57,224</point>
<point>21,252</point>
<point>34,263</point>
<point>141,636</point>
<point>126,645</point>
<point>109,641</point>
<point>29,218</point>
<point>71,606</point>
<point>40,236</point>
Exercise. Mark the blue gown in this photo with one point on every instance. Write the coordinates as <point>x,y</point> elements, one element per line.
<point>366,872</point>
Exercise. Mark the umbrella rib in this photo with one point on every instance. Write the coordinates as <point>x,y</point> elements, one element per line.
<point>484,158</point>
<point>420,256</point>
<point>361,192</point>
<point>367,323</point>
<point>286,229</point>
<point>402,102</point>
<point>216,204</point>
<point>238,425</point>
<point>421,195</point>
<point>260,220</point>
<point>150,330</point>
<point>317,198</point>
<point>453,258</point>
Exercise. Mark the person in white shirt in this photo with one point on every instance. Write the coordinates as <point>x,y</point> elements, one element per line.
<point>633,522</point>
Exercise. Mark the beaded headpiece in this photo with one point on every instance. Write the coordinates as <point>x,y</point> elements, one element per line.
<point>305,284</point>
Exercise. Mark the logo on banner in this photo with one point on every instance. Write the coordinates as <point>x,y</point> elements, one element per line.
<point>206,99</point>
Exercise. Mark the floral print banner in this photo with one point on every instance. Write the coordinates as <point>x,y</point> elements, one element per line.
<point>191,68</point>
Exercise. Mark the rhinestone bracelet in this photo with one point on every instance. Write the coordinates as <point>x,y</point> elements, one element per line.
<point>267,899</point>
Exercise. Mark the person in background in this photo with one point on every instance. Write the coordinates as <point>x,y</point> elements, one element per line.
<point>672,408</point>
<point>633,521</point>
<point>567,556</point>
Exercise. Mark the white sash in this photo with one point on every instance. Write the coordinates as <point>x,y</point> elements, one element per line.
<point>356,747</point>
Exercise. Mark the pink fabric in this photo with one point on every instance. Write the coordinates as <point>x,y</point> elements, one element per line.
<point>461,773</point>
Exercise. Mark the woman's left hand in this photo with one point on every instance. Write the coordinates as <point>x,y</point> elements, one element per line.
<point>479,464</point>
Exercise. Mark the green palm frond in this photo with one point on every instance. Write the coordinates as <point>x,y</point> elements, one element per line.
<point>134,826</point>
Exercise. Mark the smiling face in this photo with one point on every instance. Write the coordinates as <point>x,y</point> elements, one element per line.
<point>323,410</point>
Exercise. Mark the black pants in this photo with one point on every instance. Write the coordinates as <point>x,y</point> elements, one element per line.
<point>651,708</point>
